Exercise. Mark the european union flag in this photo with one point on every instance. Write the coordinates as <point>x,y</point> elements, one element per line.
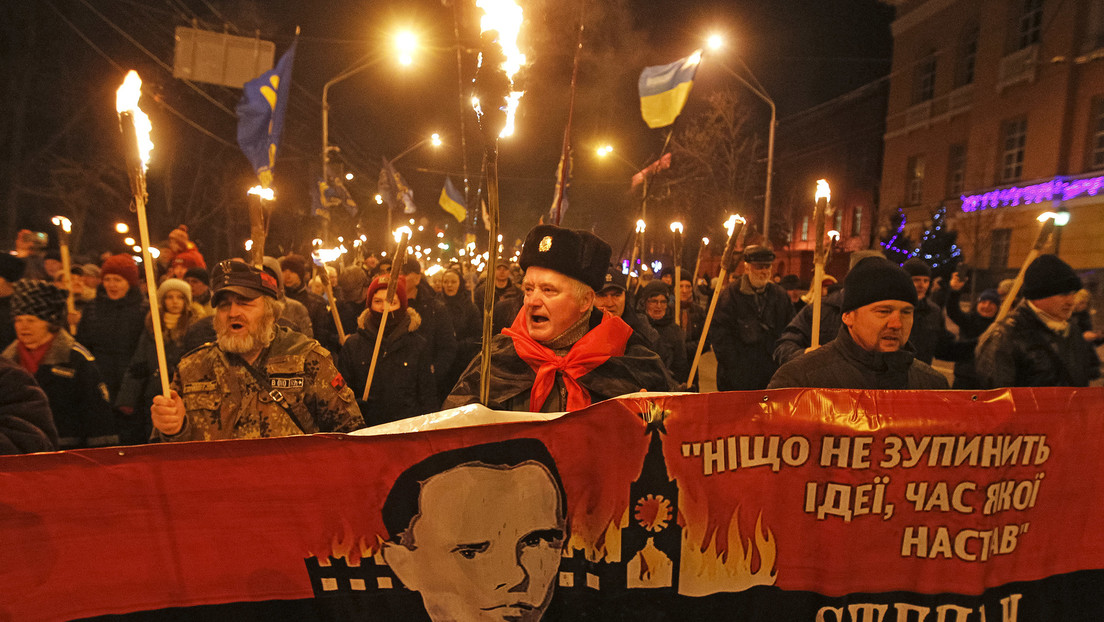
<point>452,201</point>
<point>664,90</point>
<point>261,115</point>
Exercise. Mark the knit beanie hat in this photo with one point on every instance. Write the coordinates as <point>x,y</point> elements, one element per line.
<point>121,265</point>
<point>655,288</point>
<point>43,300</point>
<point>296,264</point>
<point>11,267</point>
<point>991,295</point>
<point>380,282</point>
<point>180,234</point>
<point>1049,276</point>
<point>199,274</point>
<point>174,285</point>
<point>875,279</point>
<point>917,267</point>
<point>91,269</point>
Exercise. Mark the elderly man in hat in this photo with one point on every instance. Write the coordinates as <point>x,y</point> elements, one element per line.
<point>1034,345</point>
<point>257,379</point>
<point>561,353</point>
<point>751,313</point>
<point>62,367</point>
<point>870,351</point>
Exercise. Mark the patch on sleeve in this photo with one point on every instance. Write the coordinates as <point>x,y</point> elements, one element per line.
<point>338,383</point>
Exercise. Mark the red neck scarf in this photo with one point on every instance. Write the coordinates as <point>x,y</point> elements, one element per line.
<point>31,358</point>
<point>596,347</point>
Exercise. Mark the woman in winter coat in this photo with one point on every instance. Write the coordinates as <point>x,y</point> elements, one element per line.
<point>142,380</point>
<point>467,322</point>
<point>62,367</point>
<point>403,385</point>
<point>111,325</point>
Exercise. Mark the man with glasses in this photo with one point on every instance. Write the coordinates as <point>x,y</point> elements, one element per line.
<point>257,379</point>
<point>750,316</point>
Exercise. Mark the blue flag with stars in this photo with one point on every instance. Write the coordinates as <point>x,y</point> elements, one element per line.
<point>261,115</point>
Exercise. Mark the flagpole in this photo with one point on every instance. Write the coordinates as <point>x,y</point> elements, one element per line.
<point>565,154</point>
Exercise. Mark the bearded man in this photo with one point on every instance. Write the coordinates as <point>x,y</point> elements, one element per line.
<point>561,353</point>
<point>257,379</point>
<point>751,314</point>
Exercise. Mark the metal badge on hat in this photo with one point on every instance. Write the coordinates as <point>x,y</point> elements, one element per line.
<point>545,244</point>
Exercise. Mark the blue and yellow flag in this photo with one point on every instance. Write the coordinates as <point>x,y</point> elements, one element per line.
<point>261,115</point>
<point>452,201</point>
<point>664,90</point>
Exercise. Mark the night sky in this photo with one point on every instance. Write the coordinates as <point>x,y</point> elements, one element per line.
<point>68,56</point>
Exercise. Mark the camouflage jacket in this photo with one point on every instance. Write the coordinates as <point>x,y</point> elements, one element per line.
<point>224,400</point>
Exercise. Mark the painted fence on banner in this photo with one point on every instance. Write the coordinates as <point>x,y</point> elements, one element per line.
<point>818,505</point>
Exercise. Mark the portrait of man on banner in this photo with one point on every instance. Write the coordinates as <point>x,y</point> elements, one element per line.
<point>479,531</point>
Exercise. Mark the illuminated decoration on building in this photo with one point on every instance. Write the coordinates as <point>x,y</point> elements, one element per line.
<point>937,247</point>
<point>895,242</point>
<point>1056,188</point>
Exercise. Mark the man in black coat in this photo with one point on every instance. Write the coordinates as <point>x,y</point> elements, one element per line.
<point>613,299</point>
<point>870,351</point>
<point>561,353</point>
<point>929,333</point>
<point>1034,346</point>
<point>26,423</point>
<point>751,313</point>
<point>670,343</point>
<point>296,272</point>
<point>436,324</point>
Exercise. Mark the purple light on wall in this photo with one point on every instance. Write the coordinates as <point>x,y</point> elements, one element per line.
<point>1037,193</point>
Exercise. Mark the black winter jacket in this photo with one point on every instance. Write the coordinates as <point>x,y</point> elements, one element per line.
<point>798,333</point>
<point>110,329</point>
<point>843,364</point>
<point>1021,351</point>
<point>26,423</point>
<point>971,326</point>
<point>78,397</point>
<point>745,328</point>
<point>403,385</point>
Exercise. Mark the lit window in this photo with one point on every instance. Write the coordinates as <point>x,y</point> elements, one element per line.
<point>1013,141</point>
<point>856,221</point>
<point>914,180</point>
<point>805,229</point>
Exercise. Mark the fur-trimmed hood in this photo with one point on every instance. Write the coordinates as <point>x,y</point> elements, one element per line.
<point>415,319</point>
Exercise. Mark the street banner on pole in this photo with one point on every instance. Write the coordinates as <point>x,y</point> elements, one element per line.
<point>791,504</point>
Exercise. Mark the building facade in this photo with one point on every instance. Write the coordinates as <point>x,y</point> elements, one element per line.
<point>996,113</point>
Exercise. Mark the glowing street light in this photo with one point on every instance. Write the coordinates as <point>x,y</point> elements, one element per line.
<point>129,241</point>
<point>379,199</point>
<point>406,43</point>
<point>121,227</point>
<point>715,41</point>
<point>348,177</point>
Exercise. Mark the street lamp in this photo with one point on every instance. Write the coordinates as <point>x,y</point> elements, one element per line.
<point>716,42</point>
<point>433,139</point>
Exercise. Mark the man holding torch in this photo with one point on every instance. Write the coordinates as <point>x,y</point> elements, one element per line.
<point>257,379</point>
<point>561,353</point>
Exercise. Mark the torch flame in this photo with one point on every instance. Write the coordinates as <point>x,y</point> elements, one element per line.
<point>705,241</point>
<point>326,255</point>
<point>1060,218</point>
<point>676,227</point>
<point>400,232</point>
<point>730,224</point>
<point>641,226</point>
<point>834,235</point>
<point>267,194</point>
<point>823,190</point>
<point>63,222</point>
<point>126,99</point>
<point>505,16</point>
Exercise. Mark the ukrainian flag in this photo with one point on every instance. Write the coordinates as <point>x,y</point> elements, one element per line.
<point>664,90</point>
<point>452,201</point>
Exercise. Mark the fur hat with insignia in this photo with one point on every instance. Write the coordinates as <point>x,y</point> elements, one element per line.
<point>578,254</point>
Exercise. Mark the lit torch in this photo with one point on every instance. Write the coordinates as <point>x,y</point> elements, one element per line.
<point>321,257</point>
<point>735,226</point>
<point>495,102</point>
<point>65,227</point>
<point>820,215</point>
<point>676,228</point>
<point>402,242</point>
<point>257,225</point>
<point>697,264</point>
<point>137,146</point>
<point>1048,221</point>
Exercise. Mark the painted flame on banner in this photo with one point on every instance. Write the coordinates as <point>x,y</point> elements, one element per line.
<point>126,99</point>
<point>505,16</point>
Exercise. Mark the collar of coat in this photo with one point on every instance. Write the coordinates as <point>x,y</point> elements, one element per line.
<point>58,354</point>
<point>873,360</point>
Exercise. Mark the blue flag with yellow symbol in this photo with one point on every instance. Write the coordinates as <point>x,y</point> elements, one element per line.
<point>452,201</point>
<point>664,90</point>
<point>261,115</point>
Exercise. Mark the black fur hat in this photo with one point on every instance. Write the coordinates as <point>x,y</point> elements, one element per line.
<point>580,255</point>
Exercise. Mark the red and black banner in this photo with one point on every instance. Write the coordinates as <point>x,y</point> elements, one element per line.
<point>818,505</point>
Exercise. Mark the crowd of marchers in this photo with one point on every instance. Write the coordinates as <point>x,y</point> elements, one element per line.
<point>270,350</point>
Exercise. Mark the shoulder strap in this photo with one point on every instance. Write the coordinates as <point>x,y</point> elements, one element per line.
<point>277,397</point>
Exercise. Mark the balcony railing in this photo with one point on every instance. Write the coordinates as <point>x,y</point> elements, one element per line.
<point>1018,67</point>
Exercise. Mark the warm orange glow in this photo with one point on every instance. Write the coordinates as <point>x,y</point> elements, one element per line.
<point>402,232</point>
<point>823,191</point>
<point>641,226</point>
<point>268,194</point>
<point>676,227</point>
<point>126,99</point>
<point>505,16</point>
<point>730,224</point>
<point>63,222</point>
